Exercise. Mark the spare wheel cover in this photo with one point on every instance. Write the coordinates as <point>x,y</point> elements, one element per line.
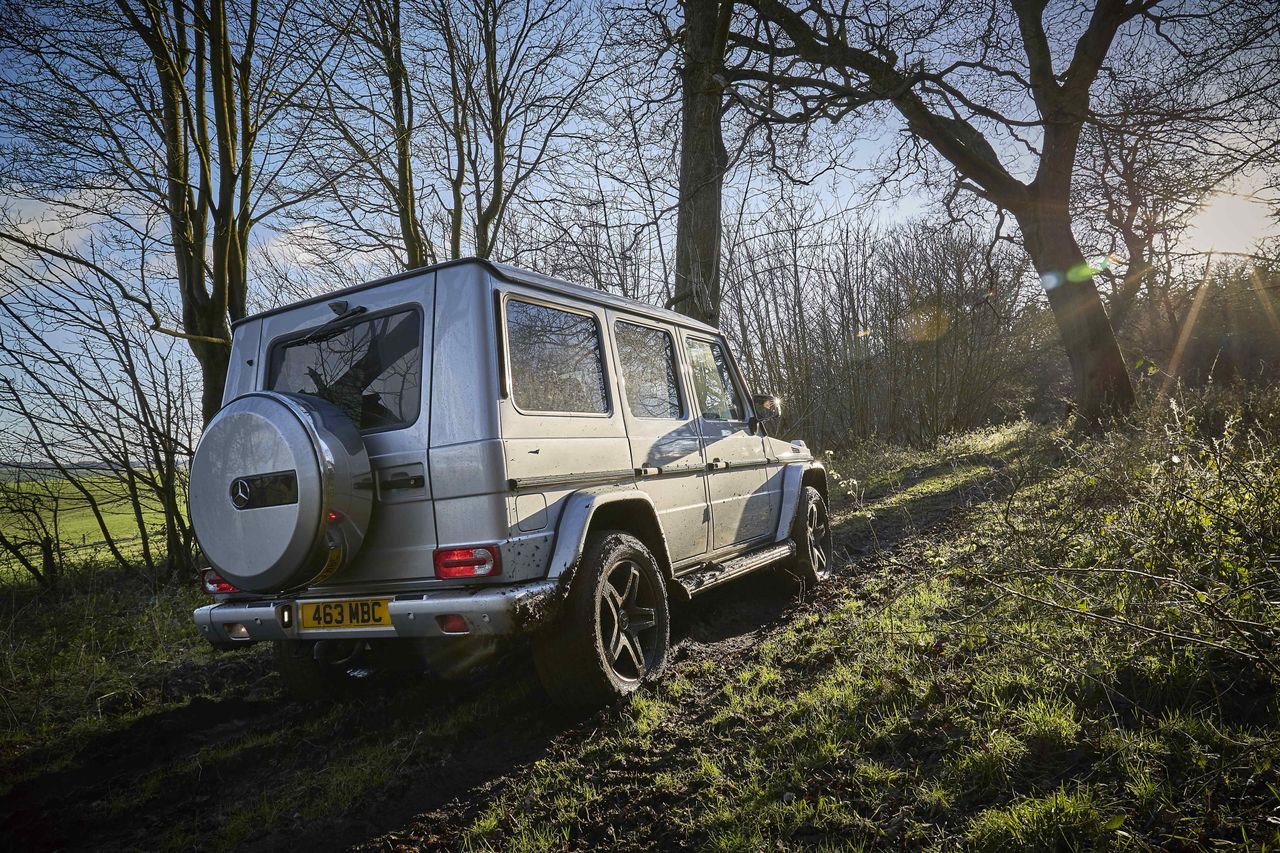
<point>281,491</point>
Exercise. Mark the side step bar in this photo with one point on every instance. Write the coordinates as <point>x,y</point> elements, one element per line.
<point>715,574</point>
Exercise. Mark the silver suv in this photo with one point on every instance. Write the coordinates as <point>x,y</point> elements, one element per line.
<point>432,461</point>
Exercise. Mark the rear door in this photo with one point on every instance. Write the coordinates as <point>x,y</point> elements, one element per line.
<point>376,368</point>
<point>742,508</point>
<point>666,446</point>
<point>562,427</point>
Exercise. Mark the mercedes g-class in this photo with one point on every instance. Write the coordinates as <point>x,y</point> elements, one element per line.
<point>470,450</point>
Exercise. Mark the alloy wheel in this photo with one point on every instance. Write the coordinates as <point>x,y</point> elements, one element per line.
<point>627,620</point>
<point>819,537</point>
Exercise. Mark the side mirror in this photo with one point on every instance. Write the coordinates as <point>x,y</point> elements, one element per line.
<point>768,409</point>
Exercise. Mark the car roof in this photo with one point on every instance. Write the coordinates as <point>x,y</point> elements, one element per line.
<point>512,274</point>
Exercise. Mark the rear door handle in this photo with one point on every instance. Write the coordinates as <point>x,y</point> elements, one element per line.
<point>404,481</point>
<point>648,471</point>
<point>716,465</point>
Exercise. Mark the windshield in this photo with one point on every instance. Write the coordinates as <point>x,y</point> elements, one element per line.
<point>371,369</point>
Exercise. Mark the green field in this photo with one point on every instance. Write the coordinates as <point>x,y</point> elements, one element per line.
<point>62,502</point>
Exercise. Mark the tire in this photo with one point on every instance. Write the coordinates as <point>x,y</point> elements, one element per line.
<point>811,531</point>
<point>589,658</point>
<point>308,679</point>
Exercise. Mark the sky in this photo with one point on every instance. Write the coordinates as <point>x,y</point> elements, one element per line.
<point>1232,222</point>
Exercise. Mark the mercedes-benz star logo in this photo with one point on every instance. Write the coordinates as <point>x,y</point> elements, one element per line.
<point>240,493</point>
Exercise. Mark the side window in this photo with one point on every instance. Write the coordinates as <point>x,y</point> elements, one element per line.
<point>648,360</point>
<point>713,387</point>
<point>555,359</point>
<point>371,370</point>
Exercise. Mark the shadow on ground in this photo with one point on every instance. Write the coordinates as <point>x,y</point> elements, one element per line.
<point>256,771</point>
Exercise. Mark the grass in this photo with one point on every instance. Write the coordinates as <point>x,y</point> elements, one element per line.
<point>939,711</point>
<point>998,671</point>
<point>108,649</point>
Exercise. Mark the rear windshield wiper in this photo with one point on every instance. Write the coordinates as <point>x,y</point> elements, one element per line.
<point>332,328</point>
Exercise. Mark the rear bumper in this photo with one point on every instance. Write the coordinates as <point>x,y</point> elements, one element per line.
<point>492,611</point>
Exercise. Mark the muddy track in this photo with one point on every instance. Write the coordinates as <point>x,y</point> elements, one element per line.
<point>189,767</point>
<point>723,626</point>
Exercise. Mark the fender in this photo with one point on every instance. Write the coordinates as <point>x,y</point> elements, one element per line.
<point>792,482</point>
<point>575,521</point>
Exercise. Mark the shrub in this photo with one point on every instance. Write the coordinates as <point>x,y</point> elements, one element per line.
<point>1166,530</point>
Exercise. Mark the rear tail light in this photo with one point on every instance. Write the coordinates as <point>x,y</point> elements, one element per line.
<point>213,583</point>
<point>476,561</point>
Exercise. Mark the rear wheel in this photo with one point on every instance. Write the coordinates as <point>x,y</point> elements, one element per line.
<point>614,628</point>
<point>811,531</point>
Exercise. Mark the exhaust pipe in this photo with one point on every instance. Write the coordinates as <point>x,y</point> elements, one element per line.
<point>338,652</point>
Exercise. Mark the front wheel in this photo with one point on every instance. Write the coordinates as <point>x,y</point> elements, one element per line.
<point>613,631</point>
<point>811,531</point>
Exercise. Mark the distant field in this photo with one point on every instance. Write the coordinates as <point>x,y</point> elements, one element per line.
<point>77,528</point>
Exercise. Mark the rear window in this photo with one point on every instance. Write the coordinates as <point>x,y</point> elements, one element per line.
<point>371,369</point>
<point>555,359</point>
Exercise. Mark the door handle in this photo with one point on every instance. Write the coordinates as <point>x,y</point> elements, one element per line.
<point>404,481</point>
<point>716,465</point>
<point>648,471</point>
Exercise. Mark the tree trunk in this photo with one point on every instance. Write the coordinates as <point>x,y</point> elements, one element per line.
<point>48,562</point>
<point>703,161</point>
<point>214,360</point>
<point>1137,274</point>
<point>417,249</point>
<point>1103,387</point>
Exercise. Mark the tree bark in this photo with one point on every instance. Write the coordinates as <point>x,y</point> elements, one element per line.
<point>385,19</point>
<point>214,360</point>
<point>1102,383</point>
<point>703,161</point>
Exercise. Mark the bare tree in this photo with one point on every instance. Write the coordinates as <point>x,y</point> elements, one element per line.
<point>120,108</point>
<point>361,119</point>
<point>97,410</point>
<point>968,78</point>
<point>31,506</point>
<point>907,333</point>
<point>611,221</point>
<point>439,116</point>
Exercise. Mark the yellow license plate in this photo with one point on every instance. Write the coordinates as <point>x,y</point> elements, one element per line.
<point>362,613</point>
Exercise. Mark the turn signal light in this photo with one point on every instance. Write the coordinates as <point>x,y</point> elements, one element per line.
<point>476,561</point>
<point>213,583</point>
